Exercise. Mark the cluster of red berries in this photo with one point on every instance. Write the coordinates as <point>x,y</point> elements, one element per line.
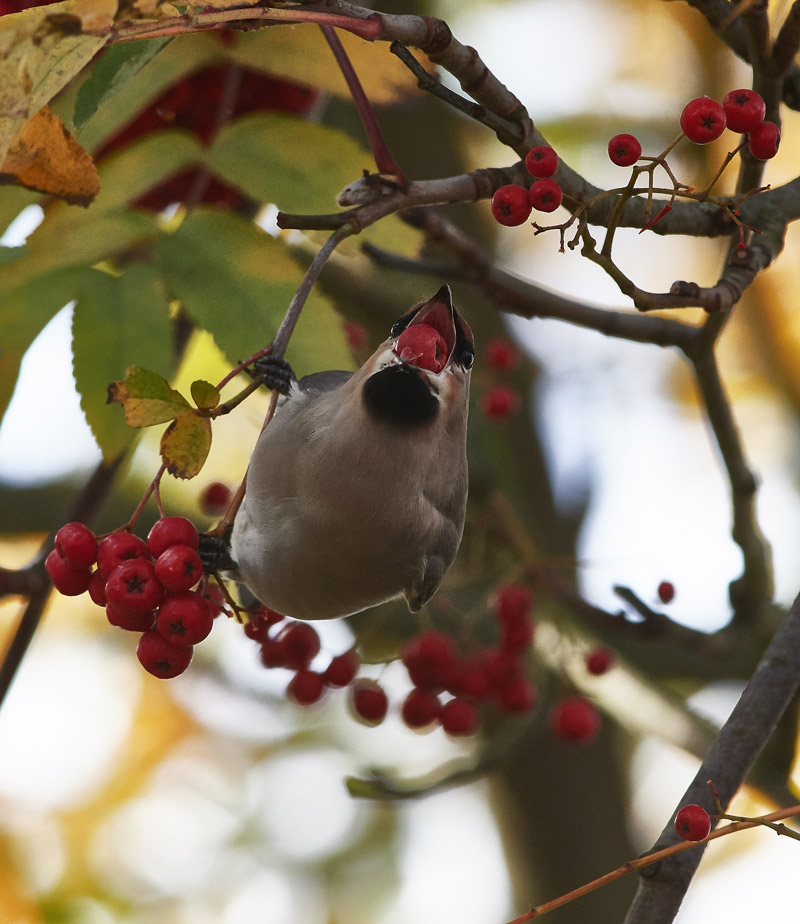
<point>703,120</point>
<point>499,401</point>
<point>693,822</point>
<point>512,204</point>
<point>144,587</point>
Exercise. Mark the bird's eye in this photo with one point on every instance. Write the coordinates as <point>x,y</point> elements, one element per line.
<point>467,358</point>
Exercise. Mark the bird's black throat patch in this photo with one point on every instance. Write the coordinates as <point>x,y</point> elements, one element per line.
<point>398,395</point>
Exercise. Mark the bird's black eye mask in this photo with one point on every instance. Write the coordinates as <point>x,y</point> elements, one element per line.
<point>464,351</point>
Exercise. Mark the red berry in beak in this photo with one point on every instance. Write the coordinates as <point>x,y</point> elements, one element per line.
<point>423,346</point>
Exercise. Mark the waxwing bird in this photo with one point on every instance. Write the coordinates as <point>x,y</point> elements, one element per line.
<point>356,491</point>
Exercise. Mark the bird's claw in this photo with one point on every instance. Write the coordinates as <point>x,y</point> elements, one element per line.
<point>215,554</point>
<point>273,372</point>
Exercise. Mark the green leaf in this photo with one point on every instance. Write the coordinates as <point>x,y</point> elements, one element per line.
<point>117,321</point>
<point>185,444</point>
<point>147,398</point>
<point>126,174</point>
<point>298,165</point>
<point>27,305</point>
<point>204,394</point>
<point>109,75</point>
<point>233,278</point>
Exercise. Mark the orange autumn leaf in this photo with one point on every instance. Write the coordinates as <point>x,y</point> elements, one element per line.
<point>46,158</point>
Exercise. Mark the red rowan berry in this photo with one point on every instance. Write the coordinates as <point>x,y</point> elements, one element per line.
<point>421,708</point>
<point>306,687</point>
<point>272,653</point>
<point>214,498</point>
<point>184,618</point>
<point>300,643</point>
<point>624,150</point>
<point>179,567</point>
<point>510,205</point>
<point>368,701</point>
<point>693,822</point>
<point>744,110</point>
<point>119,547</point>
<point>459,717</point>
<point>97,588</point>
<point>171,531</point>
<point>545,195</point>
<point>160,657</point>
<point>599,661</point>
<point>134,588</point>
<point>129,622</point>
<point>541,161</point>
<point>512,602</point>
<point>764,141</point>
<point>575,719</point>
<point>702,120</point>
<point>517,635</point>
<point>499,402</point>
<point>501,354</point>
<point>666,591</point>
<point>342,669</point>
<point>519,695</point>
<point>502,667</point>
<point>76,543</point>
<point>67,581</point>
<point>428,659</point>
<point>470,678</point>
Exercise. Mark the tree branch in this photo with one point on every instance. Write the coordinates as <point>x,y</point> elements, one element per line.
<point>741,740</point>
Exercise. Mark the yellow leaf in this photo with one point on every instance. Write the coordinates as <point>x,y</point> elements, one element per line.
<point>204,394</point>
<point>46,158</point>
<point>95,14</point>
<point>147,398</point>
<point>185,444</point>
<point>36,61</point>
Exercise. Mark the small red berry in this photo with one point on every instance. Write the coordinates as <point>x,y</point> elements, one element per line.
<point>459,717</point>
<point>512,602</point>
<point>119,547</point>
<point>134,588</point>
<point>184,618</point>
<point>517,696</point>
<point>702,120</point>
<point>160,657</point>
<point>129,622</point>
<point>342,669</point>
<point>428,659</point>
<point>502,668</point>
<point>501,354</point>
<point>470,679</point>
<point>499,402</point>
<point>67,581</point>
<point>421,708</point>
<point>97,588</point>
<point>599,661</point>
<point>764,141</point>
<point>744,110</point>
<point>624,150</point>
<point>368,701</point>
<point>300,643</point>
<point>178,567</point>
<point>545,195</point>
<point>517,635</point>
<point>171,531</point>
<point>666,591</point>
<point>214,498</point>
<point>575,719</point>
<point>693,822</point>
<point>510,205</point>
<point>356,334</point>
<point>77,544</point>
<point>306,687</point>
<point>541,161</point>
<point>272,653</point>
